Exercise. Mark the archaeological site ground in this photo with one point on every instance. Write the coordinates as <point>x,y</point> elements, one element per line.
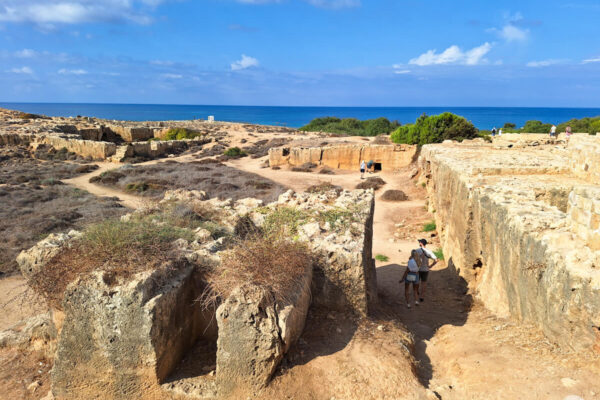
<point>211,260</point>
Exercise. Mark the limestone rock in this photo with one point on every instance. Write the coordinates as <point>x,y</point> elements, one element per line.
<point>33,260</point>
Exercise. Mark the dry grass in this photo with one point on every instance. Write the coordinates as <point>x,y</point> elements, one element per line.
<point>306,167</point>
<point>324,188</point>
<point>373,182</point>
<point>117,247</point>
<point>275,265</point>
<point>394,195</point>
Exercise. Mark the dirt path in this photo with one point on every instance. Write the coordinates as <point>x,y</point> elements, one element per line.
<point>463,351</point>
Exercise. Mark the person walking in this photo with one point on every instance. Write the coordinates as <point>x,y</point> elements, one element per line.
<point>362,169</point>
<point>411,277</point>
<point>553,131</point>
<point>423,256</point>
<point>568,134</point>
<point>493,131</point>
<point>500,132</point>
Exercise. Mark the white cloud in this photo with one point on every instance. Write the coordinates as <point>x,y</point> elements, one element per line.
<point>172,76</point>
<point>591,60</point>
<point>544,63</point>
<point>26,53</point>
<point>332,4</point>
<point>453,55</point>
<point>244,62</point>
<point>22,70</point>
<point>64,71</point>
<point>48,12</point>
<point>511,33</point>
<point>402,71</point>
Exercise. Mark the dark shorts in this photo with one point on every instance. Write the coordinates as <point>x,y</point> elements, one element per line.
<point>423,275</point>
<point>362,171</point>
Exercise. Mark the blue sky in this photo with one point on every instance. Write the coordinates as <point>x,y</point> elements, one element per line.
<point>302,52</point>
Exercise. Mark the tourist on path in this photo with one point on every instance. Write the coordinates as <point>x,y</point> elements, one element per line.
<point>362,169</point>
<point>423,257</point>
<point>494,131</point>
<point>500,132</point>
<point>411,277</point>
<point>553,131</point>
<point>370,166</point>
<point>568,134</point>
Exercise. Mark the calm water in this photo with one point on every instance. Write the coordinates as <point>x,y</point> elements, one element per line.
<point>482,117</point>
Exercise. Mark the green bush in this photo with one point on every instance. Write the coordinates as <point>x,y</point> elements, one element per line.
<point>180,134</point>
<point>509,126</point>
<point>588,125</point>
<point>351,126</point>
<point>435,129</point>
<point>429,227</point>
<point>439,253</point>
<point>535,126</point>
<point>382,257</point>
<point>235,152</point>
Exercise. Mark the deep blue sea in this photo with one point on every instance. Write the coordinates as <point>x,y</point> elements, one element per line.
<point>482,117</point>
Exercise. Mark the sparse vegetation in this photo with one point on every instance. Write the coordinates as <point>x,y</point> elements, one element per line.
<point>324,188</point>
<point>589,125</point>
<point>235,152</point>
<point>306,167</point>
<point>435,129</point>
<point>429,227</point>
<point>394,195</point>
<point>382,258</point>
<point>119,248</point>
<point>351,126</point>
<point>180,134</point>
<point>373,182</point>
<point>439,253</point>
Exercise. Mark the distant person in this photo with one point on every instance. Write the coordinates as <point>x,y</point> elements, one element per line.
<point>500,132</point>
<point>362,169</point>
<point>411,277</point>
<point>423,257</point>
<point>568,134</point>
<point>553,131</point>
<point>494,131</point>
<point>370,166</point>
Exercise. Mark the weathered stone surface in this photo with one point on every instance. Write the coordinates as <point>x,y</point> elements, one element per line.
<point>33,260</point>
<point>122,341</point>
<point>502,221</point>
<point>249,347</point>
<point>132,134</point>
<point>345,156</point>
<point>39,328</point>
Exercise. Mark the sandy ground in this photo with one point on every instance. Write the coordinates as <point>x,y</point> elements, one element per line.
<point>462,350</point>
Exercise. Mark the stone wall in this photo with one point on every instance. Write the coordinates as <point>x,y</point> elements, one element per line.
<point>345,156</point>
<point>84,148</point>
<point>132,134</point>
<point>584,214</point>
<point>503,224</point>
<point>584,157</point>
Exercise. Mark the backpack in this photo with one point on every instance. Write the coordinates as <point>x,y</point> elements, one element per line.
<point>422,259</point>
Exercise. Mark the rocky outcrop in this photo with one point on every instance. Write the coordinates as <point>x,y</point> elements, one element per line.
<point>132,134</point>
<point>32,261</point>
<point>123,340</point>
<point>518,225</point>
<point>346,156</point>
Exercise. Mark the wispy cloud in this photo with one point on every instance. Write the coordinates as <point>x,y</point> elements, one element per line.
<point>331,4</point>
<point>172,76</point>
<point>26,53</point>
<point>453,55</point>
<point>49,12</point>
<point>64,71</point>
<point>22,70</point>
<point>591,60</point>
<point>545,63</point>
<point>513,29</point>
<point>244,63</point>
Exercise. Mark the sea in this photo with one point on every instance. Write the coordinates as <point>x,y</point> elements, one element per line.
<point>295,117</point>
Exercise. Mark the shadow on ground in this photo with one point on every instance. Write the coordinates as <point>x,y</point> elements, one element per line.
<point>446,302</point>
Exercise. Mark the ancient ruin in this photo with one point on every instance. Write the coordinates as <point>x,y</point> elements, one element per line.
<point>520,220</point>
<point>125,338</point>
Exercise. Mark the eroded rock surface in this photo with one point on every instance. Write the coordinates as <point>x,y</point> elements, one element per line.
<point>519,221</point>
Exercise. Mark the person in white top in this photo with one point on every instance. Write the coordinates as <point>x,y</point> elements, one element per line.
<point>411,276</point>
<point>423,257</point>
<point>553,131</point>
<point>363,166</point>
<point>500,132</point>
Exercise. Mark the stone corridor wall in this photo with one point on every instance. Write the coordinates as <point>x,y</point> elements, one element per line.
<point>502,223</point>
<point>345,156</point>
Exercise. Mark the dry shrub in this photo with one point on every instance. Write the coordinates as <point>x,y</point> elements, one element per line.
<point>373,182</point>
<point>394,195</point>
<point>382,139</point>
<point>324,188</point>
<point>275,265</point>
<point>306,167</point>
<point>117,247</point>
<point>327,171</point>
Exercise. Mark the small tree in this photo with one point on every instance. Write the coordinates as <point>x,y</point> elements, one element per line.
<point>435,129</point>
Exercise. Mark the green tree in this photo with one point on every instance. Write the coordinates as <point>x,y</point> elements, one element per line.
<point>435,129</point>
